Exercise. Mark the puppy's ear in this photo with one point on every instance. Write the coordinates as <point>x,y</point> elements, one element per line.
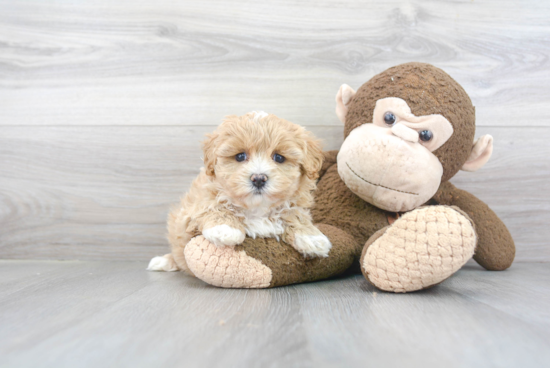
<point>209,149</point>
<point>314,157</point>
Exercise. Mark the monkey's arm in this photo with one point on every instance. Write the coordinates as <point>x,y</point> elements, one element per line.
<point>495,247</point>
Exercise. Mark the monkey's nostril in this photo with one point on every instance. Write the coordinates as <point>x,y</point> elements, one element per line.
<point>258,180</point>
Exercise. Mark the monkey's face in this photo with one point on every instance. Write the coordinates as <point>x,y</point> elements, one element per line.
<point>390,162</point>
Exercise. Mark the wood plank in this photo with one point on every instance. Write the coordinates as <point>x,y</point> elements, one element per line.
<point>117,314</point>
<point>521,283</point>
<point>436,327</point>
<point>190,63</point>
<point>104,192</point>
<point>60,296</point>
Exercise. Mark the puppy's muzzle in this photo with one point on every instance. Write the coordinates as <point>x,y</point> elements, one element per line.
<point>258,180</point>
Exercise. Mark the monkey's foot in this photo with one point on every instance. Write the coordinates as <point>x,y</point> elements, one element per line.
<point>419,250</point>
<point>263,263</point>
<point>225,266</point>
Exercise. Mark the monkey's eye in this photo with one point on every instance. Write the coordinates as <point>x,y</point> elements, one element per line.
<point>389,118</point>
<point>278,158</point>
<point>425,135</point>
<point>240,157</point>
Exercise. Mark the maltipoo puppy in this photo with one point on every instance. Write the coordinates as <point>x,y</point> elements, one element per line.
<point>258,177</point>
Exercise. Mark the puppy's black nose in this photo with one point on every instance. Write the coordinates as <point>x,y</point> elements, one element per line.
<point>258,180</point>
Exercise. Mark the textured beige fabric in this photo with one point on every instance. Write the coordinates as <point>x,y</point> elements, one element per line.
<point>422,248</point>
<point>225,266</point>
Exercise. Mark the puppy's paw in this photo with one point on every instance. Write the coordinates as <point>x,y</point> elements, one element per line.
<point>164,263</point>
<point>312,245</point>
<point>223,235</point>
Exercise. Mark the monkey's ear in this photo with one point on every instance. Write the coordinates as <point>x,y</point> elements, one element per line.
<point>209,149</point>
<point>343,98</point>
<point>481,152</point>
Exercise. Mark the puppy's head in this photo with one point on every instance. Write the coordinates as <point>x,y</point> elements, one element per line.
<point>260,159</point>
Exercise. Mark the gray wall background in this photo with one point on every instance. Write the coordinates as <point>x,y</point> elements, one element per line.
<point>103,103</point>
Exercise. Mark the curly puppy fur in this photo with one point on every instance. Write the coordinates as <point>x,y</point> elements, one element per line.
<point>224,205</point>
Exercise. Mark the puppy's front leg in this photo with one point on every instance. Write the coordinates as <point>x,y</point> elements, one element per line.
<point>222,228</point>
<point>303,236</point>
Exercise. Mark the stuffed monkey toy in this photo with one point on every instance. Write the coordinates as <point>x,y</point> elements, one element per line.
<point>384,199</point>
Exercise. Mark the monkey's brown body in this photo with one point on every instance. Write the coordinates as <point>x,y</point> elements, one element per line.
<point>495,247</point>
<point>388,163</point>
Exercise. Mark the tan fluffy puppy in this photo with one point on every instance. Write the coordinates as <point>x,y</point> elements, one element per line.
<point>258,177</point>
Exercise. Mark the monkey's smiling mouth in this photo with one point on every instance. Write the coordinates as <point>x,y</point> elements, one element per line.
<point>378,185</point>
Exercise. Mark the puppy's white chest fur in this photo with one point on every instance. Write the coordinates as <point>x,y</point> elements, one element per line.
<point>263,223</point>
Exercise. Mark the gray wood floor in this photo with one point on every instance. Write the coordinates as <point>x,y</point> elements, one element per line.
<point>115,314</point>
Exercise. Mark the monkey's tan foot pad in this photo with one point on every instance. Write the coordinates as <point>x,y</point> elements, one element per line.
<point>225,267</point>
<point>421,249</point>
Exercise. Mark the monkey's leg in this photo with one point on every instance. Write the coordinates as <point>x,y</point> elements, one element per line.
<point>419,250</point>
<point>264,263</point>
<point>495,247</point>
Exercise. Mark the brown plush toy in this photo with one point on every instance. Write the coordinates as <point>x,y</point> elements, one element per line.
<point>384,200</point>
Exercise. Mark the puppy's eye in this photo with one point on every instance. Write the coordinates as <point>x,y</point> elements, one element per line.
<point>278,158</point>
<point>240,157</point>
<point>389,118</point>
